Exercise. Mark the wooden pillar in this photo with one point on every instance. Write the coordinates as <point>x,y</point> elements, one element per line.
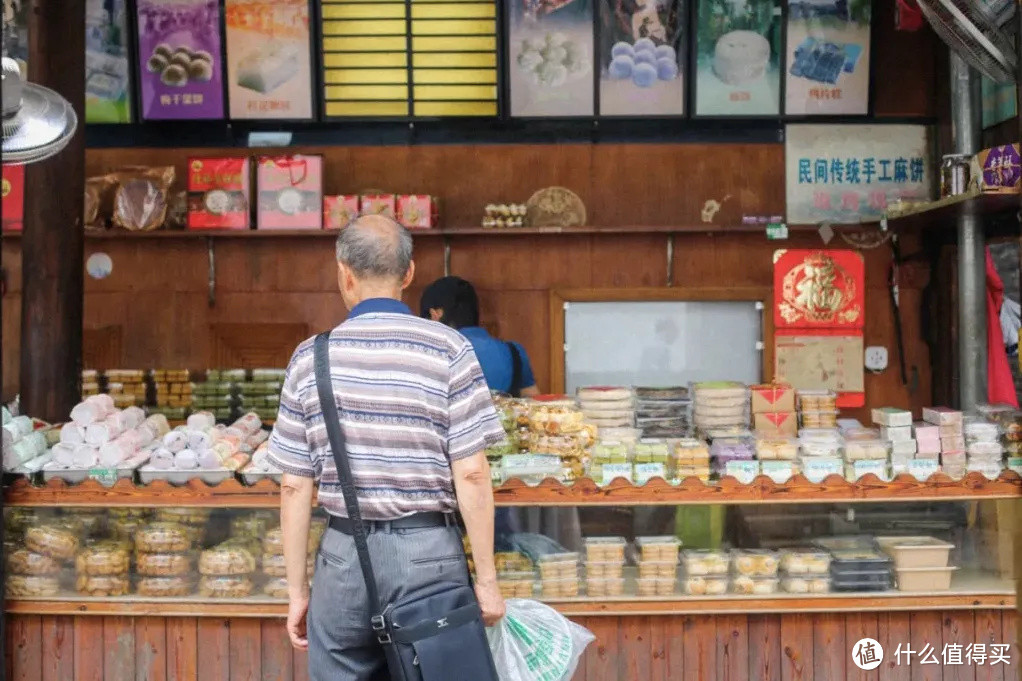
<point>53,240</point>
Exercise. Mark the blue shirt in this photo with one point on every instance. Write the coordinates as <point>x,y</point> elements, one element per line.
<point>495,359</point>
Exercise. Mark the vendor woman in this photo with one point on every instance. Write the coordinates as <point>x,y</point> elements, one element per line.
<point>453,301</point>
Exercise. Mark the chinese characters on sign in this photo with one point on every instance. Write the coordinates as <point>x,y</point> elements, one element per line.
<point>850,173</point>
<point>955,654</point>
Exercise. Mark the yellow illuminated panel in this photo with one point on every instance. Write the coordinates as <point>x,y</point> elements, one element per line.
<point>451,46</point>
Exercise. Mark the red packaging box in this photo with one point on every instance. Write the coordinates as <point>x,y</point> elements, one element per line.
<point>218,193</point>
<point>339,210</point>
<point>777,424</point>
<point>290,192</point>
<point>772,398</point>
<point>379,204</point>
<point>13,206</point>
<point>417,211</point>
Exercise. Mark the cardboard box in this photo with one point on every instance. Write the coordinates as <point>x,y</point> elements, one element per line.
<point>417,211</point>
<point>339,210</point>
<point>218,193</point>
<point>997,169</point>
<point>13,198</point>
<point>378,204</point>
<point>779,424</point>
<point>290,192</point>
<point>772,399</point>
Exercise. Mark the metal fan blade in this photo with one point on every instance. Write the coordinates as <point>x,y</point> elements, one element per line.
<point>970,31</point>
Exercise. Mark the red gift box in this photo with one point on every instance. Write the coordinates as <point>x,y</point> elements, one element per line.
<point>417,211</point>
<point>290,192</point>
<point>379,204</point>
<point>13,198</point>
<point>772,398</point>
<point>218,193</point>
<point>339,210</point>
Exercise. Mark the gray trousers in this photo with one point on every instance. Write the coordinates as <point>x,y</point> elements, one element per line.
<point>342,646</point>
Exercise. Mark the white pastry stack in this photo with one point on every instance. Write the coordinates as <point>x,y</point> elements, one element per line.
<point>99,434</point>
<point>607,407</point>
<point>21,442</point>
<point>953,457</point>
<point>720,406</point>
<point>261,461</point>
<point>983,447</point>
<point>203,444</point>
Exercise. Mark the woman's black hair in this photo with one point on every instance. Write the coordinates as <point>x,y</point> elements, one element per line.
<point>456,297</point>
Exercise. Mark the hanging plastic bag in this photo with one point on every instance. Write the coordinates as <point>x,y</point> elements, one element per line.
<point>534,642</point>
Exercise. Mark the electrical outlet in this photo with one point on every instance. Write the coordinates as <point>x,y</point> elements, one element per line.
<point>876,358</point>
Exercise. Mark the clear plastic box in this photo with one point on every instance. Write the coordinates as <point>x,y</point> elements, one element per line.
<point>656,586</point>
<point>658,548</point>
<point>558,566</point>
<point>916,552</point>
<point>598,587</point>
<point>754,562</point>
<point>754,586</point>
<point>605,549</point>
<point>817,400</point>
<point>649,568</point>
<point>772,448</point>
<point>806,584</point>
<point>605,570</point>
<point>701,562</point>
<point>699,585</point>
<point>805,562</point>
<point>866,449</point>
<point>566,587</point>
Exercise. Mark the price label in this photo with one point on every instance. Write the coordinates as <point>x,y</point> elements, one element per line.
<point>816,469</point>
<point>743,471</point>
<point>777,231</point>
<point>616,470</point>
<point>645,471</point>
<point>778,471</point>
<point>105,476</point>
<point>922,469</point>
<point>877,468</point>
<point>1015,464</point>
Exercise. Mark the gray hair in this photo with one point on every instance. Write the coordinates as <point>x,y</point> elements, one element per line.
<point>375,246</point>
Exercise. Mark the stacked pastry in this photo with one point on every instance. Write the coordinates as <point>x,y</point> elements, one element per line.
<point>227,570</point>
<point>657,565</point>
<point>817,408</point>
<point>101,569</point>
<point>216,394</point>
<point>261,392</point>
<point>954,456</point>
<point>35,569</point>
<point>275,585</point>
<point>99,434</point>
<point>203,444</point>
<point>172,391</point>
<point>607,407</point>
<point>21,442</point>
<point>127,387</point>
<point>720,406</point>
<point>983,447</point>
<point>662,412</point>
<point>556,428</point>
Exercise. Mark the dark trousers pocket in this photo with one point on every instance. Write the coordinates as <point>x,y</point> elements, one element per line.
<point>461,654</point>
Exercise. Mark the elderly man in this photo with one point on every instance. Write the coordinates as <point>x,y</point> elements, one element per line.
<point>416,415</point>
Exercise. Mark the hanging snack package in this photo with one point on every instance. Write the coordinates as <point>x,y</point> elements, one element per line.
<point>534,641</point>
<point>140,201</point>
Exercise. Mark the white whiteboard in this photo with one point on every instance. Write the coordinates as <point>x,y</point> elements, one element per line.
<point>662,343</point>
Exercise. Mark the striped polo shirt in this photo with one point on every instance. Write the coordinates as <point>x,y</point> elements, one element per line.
<point>412,399</point>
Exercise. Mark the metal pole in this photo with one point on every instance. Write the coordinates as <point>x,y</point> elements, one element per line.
<point>972,334</point>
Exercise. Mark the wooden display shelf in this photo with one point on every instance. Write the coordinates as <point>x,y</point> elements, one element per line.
<point>708,228</point>
<point>265,494</point>
<point>968,592</point>
<point>996,210</point>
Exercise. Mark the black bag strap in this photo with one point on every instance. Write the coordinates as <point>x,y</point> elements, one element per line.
<point>516,370</point>
<point>331,417</point>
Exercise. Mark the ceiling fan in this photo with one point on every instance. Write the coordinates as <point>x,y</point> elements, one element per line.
<point>37,122</point>
<point>980,31</point>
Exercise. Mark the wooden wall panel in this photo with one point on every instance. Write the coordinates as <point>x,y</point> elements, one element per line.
<point>805,646</point>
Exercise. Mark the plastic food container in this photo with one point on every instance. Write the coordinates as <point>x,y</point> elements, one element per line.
<point>605,549</point>
<point>517,584</point>
<point>864,581</point>
<point>19,586</point>
<point>277,588</point>
<point>981,431</point>
<point>817,400</point>
<point>102,558</point>
<point>669,393</point>
<point>225,587</point>
<point>102,585</point>
<point>697,585</point>
<point>649,568</point>
<point>51,540</point>
<point>559,588</point>
<point>163,538</point>
<point>29,563</point>
<point>164,564</point>
<point>186,515</point>
<point>558,566</point>
<point>659,549</point>
<point>273,565</point>
<point>511,561</point>
<point>777,448</point>
<point>754,563</point>
<point>866,449</point>
<point>820,419</point>
<point>691,451</point>
<point>599,569</point>
<point>916,552</point>
<point>805,562</point>
<point>165,587</point>
<point>733,448</point>
<point>983,448</point>
<point>655,586</point>
<point>817,584</point>
<point>610,451</point>
<point>754,586</point>
<point>651,451</point>
<point>924,578</point>
<point>605,586</point>
<point>555,417</point>
<point>699,562</point>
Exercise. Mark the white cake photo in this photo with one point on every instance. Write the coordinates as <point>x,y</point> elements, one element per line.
<point>741,57</point>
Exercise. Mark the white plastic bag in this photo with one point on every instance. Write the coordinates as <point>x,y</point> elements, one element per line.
<point>534,642</point>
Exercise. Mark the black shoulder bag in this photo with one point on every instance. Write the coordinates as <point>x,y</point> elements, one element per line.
<point>435,633</point>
